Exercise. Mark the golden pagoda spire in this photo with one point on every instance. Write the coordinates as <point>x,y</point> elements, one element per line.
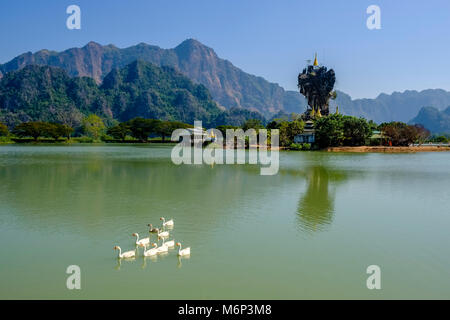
<point>337,109</point>
<point>313,113</point>
<point>316,63</point>
<point>318,113</point>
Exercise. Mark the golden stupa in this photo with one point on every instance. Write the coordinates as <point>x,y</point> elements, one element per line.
<point>319,114</point>
<point>316,63</point>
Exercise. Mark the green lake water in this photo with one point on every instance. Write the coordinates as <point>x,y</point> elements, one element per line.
<point>308,232</point>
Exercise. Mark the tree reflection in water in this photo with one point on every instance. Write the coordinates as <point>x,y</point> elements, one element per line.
<point>316,206</point>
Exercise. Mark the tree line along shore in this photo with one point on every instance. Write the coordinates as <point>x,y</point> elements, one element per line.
<point>335,132</point>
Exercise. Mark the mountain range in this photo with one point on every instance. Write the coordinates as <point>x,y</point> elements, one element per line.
<point>398,106</point>
<point>433,119</point>
<point>140,89</point>
<point>228,85</point>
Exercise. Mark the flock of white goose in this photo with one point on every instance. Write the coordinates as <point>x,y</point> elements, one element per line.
<point>162,234</point>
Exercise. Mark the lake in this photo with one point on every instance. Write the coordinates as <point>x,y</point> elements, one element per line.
<point>308,232</point>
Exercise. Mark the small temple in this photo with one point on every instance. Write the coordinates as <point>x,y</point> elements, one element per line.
<point>308,134</point>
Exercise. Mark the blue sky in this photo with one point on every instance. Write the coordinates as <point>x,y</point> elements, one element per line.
<point>268,38</point>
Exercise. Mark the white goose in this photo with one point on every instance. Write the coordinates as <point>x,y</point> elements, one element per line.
<point>150,252</point>
<point>145,241</point>
<point>168,223</point>
<point>163,234</point>
<point>162,249</point>
<point>168,244</point>
<point>183,252</point>
<point>126,254</point>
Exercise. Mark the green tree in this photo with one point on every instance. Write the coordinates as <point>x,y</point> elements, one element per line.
<point>165,128</point>
<point>288,130</point>
<point>93,126</point>
<point>274,123</point>
<point>141,128</point>
<point>34,129</point>
<point>223,129</point>
<point>356,131</point>
<point>329,131</point>
<point>119,131</point>
<point>283,128</point>
<point>295,127</point>
<point>372,125</point>
<point>66,130</point>
<point>439,139</point>
<point>56,130</point>
<point>252,124</point>
<point>3,130</point>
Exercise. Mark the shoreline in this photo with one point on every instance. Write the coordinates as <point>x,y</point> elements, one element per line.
<point>360,149</point>
<point>385,149</point>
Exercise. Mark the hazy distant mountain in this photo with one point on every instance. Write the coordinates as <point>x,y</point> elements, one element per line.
<point>139,89</point>
<point>385,108</point>
<point>434,120</point>
<point>395,107</point>
<point>229,86</point>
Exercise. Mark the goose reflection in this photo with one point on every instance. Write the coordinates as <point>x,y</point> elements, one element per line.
<point>119,262</point>
<point>180,259</point>
<point>316,206</point>
<point>151,258</point>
